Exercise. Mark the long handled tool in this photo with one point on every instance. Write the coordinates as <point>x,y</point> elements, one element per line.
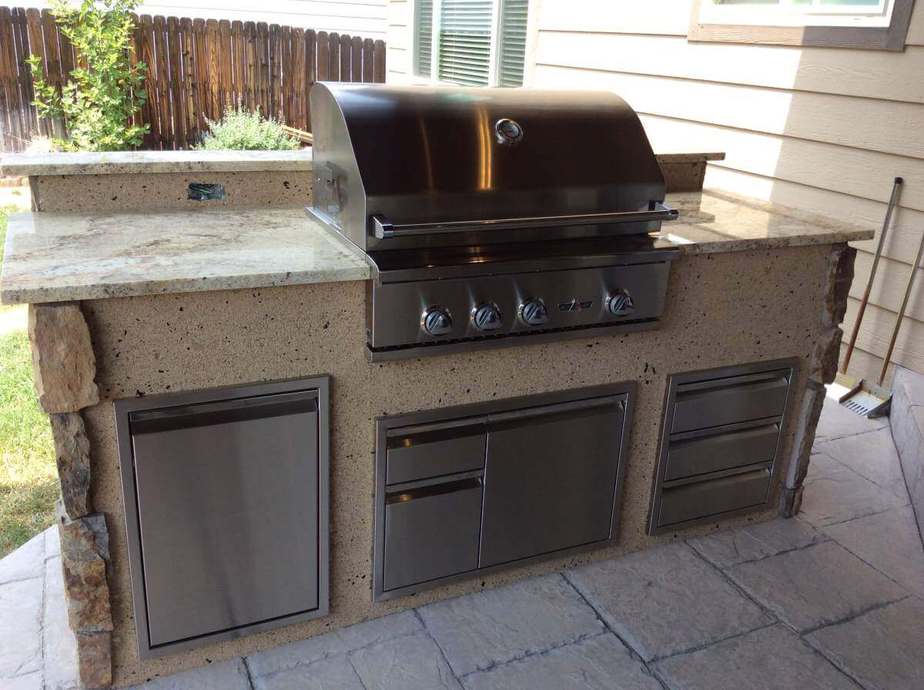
<point>901,311</point>
<point>853,393</point>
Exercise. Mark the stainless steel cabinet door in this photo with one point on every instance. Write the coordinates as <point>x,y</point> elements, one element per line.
<point>550,478</point>
<point>228,509</point>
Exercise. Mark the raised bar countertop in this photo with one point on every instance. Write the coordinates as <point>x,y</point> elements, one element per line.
<point>134,162</point>
<point>54,257</point>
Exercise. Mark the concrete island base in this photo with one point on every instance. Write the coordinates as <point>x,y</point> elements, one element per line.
<point>723,309</point>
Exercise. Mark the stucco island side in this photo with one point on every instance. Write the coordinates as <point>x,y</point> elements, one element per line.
<point>724,309</point>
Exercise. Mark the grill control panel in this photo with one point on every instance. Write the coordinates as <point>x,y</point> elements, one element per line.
<point>414,316</point>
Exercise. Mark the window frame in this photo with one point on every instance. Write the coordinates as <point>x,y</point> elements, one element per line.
<point>433,77</point>
<point>848,26</point>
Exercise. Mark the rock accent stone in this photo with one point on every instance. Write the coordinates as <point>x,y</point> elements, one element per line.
<point>825,356</point>
<point>72,450</point>
<point>812,402</point>
<point>822,369</point>
<point>84,555</point>
<point>94,659</point>
<point>840,276</point>
<point>62,357</point>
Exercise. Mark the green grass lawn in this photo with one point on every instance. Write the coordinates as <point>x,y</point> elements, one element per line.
<point>28,478</point>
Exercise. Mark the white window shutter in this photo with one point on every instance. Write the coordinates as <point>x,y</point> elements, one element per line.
<point>423,30</point>
<point>511,51</point>
<point>465,41</point>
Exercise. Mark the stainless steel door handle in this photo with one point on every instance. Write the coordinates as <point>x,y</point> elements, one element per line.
<point>382,228</point>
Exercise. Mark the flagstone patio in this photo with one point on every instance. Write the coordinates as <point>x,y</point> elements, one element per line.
<point>831,599</point>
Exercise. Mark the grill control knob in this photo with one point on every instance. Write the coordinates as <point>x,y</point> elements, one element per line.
<point>436,321</point>
<point>487,317</point>
<point>534,313</point>
<point>620,303</point>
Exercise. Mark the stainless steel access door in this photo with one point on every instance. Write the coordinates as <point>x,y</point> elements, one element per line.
<point>550,478</point>
<point>228,509</point>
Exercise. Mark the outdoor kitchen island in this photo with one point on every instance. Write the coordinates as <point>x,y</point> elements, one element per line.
<point>135,305</point>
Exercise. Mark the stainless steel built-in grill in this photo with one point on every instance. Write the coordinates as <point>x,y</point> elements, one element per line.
<point>492,216</point>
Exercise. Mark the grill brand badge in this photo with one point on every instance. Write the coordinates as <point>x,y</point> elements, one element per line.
<point>575,304</point>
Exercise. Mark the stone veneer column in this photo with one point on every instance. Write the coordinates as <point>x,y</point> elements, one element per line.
<point>65,368</point>
<point>822,370</point>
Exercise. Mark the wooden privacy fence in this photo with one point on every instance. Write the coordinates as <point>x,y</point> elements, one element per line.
<point>196,68</point>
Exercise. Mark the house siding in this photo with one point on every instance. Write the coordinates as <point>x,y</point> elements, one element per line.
<point>821,129</point>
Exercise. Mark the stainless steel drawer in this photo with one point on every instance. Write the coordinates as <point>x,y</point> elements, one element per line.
<point>730,400</point>
<point>713,497</point>
<point>424,452</point>
<point>432,532</point>
<point>690,457</point>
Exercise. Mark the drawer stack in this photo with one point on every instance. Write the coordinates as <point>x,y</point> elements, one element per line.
<point>720,440</point>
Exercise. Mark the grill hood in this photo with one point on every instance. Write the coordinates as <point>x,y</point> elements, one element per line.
<point>402,167</point>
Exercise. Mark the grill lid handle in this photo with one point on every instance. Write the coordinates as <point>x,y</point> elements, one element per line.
<point>382,228</point>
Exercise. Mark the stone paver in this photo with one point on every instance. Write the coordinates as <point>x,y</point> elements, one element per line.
<point>871,455</point>
<point>890,542</point>
<point>20,627</point>
<point>412,662</point>
<point>487,628</point>
<point>837,421</point>
<point>597,663</point>
<point>224,675</point>
<point>815,586</point>
<point>30,681</point>
<point>754,542</point>
<point>25,562</point>
<point>883,649</point>
<point>835,493</point>
<point>772,658</point>
<point>335,673</point>
<point>338,642</point>
<point>58,641</point>
<point>666,600</point>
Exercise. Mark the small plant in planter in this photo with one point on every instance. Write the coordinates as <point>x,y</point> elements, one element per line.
<point>105,90</point>
<point>242,130</point>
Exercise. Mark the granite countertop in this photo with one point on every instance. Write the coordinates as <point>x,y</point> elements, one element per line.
<point>53,257</point>
<point>133,162</point>
<point>713,221</point>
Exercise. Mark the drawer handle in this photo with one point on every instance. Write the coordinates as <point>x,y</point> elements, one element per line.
<point>433,490</point>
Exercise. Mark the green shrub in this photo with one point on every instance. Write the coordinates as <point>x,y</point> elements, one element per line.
<point>242,130</point>
<point>105,90</point>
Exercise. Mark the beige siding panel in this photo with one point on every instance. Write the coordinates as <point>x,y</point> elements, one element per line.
<point>659,17</point>
<point>397,60</point>
<point>850,171</point>
<point>860,122</point>
<point>876,331</point>
<point>901,243</point>
<point>399,37</point>
<point>865,73</point>
<point>889,286</point>
<point>916,28</point>
<point>399,13</point>
<point>866,366</point>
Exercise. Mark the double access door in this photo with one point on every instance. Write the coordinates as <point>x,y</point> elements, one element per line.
<point>465,489</point>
